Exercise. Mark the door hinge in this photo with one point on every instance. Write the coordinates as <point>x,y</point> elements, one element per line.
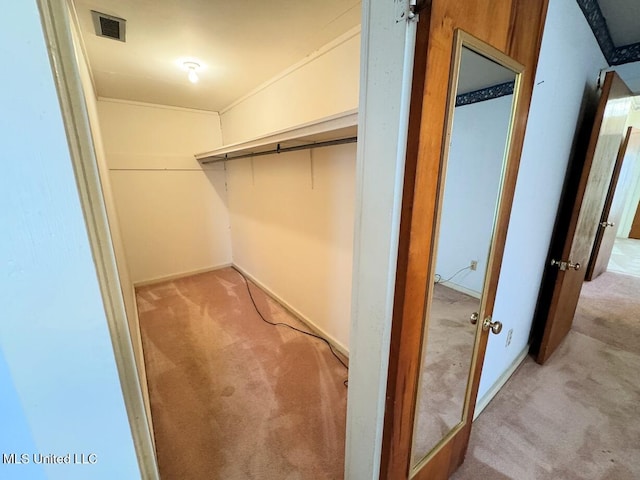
<point>601,75</point>
<point>409,9</point>
<point>417,6</point>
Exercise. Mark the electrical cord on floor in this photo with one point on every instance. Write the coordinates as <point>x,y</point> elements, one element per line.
<point>439,277</point>
<point>275,324</point>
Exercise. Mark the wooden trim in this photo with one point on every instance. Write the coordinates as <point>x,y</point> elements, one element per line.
<point>57,29</point>
<point>395,423</point>
<point>511,26</point>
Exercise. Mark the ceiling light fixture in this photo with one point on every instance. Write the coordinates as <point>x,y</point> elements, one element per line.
<point>192,68</point>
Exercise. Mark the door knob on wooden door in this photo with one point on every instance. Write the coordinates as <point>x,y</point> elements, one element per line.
<point>607,224</point>
<point>473,318</point>
<point>565,265</point>
<point>496,327</point>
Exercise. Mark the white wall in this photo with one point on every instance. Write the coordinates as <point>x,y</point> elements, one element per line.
<point>323,84</point>
<point>633,197</point>
<point>570,60</point>
<point>292,230</point>
<point>291,221</point>
<point>58,379</point>
<point>173,215</point>
<point>634,114</point>
<point>474,171</point>
<point>630,174</point>
<point>630,182</point>
<point>630,73</point>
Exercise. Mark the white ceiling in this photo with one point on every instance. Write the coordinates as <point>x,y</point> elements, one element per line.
<point>241,44</point>
<point>622,19</point>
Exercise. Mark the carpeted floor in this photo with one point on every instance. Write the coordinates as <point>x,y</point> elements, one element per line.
<point>578,416</point>
<point>235,398</point>
<point>232,397</point>
<point>610,311</point>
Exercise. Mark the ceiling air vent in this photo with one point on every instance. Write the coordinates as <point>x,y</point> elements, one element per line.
<point>109,26</point>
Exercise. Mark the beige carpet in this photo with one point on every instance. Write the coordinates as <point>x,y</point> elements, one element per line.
<point>235,398</point>
<point>577,417</point>
<point>610,311</point>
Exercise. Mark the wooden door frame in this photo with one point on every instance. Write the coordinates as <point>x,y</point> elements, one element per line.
<point>56,29</point>
<point>514,27</point>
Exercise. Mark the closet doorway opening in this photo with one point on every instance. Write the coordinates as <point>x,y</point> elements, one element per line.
<point>266,238</point>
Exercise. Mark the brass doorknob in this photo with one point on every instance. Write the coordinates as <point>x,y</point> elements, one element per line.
<point>496,327</point>
<point>565,265</point>
<point>474,318</point>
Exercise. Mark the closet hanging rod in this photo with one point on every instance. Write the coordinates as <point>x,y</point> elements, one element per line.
<point>278,149</point>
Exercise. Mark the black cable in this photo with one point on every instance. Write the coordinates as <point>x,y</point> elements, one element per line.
<point>439,277</point>
<point>275,324</point>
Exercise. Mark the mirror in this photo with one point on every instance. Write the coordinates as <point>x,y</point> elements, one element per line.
<point>481,108</point>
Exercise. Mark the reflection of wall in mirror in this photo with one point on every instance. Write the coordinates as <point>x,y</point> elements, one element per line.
<point>632,200</point>
<point>474,167</point>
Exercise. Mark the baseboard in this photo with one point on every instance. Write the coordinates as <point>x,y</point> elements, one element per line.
<point>495,388</point>
<point>174,276</point>
<point>460,288</point>
<point>296,313</point>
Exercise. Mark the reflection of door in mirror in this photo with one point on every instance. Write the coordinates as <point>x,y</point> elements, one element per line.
<point>472,179</point>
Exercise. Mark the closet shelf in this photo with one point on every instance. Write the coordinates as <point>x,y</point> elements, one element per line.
<point>334,130</point>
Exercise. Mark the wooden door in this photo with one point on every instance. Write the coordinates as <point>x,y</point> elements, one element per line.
<point>635,226</point>
<point>513,27</point>
<point>614,205</point>
<point>555,319</point>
